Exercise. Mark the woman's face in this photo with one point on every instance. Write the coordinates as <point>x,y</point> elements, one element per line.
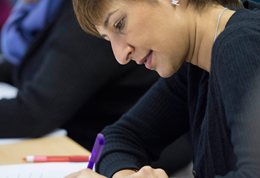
<point>153,34</point>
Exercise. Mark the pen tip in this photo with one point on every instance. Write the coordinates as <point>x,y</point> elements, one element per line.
<point>101,139</point>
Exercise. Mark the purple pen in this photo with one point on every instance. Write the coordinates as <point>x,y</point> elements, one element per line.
<point>97,150</point>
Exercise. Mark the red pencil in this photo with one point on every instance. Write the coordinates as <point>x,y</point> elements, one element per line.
<point>74,158</point>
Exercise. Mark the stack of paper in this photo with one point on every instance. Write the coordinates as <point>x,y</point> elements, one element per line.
<point>55,133</point>
<point>7,91</point>
<point>40,170</point>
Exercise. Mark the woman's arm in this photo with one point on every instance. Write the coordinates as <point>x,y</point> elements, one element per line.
<point>140,135</point>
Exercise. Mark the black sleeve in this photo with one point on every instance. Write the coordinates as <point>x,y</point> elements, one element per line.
<point>142,133</point>
<point>238,79</point>
<point>74,66</point>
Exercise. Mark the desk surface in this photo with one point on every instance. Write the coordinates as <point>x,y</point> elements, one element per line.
<point>13,153</point>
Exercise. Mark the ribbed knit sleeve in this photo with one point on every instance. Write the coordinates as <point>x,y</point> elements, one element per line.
<point>141,134</point>
<point>237,71</point>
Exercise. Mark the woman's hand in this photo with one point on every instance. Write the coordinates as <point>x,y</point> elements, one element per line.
<point>86,173</point>
<point>144,172</point>
<point>148,172</point>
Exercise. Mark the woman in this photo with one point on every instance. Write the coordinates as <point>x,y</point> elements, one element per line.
<point>208,56</point>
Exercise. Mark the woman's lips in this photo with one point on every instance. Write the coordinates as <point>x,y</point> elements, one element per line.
<point>148,60</point>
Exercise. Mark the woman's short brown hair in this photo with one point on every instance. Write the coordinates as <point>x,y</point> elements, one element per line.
<point>90,12</point>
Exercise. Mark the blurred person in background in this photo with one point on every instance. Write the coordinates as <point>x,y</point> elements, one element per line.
<point>56,69</point>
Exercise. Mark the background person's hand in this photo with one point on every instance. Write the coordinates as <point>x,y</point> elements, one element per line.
<point>86,173</point>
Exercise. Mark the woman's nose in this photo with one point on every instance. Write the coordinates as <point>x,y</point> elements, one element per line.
<point>122,52</point>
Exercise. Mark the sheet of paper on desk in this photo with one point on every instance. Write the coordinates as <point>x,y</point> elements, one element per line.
<point>55,133</point>
<point>40,170</point>
<point>7,91</point>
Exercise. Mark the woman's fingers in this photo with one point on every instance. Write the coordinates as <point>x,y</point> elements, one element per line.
<point>149,172</point>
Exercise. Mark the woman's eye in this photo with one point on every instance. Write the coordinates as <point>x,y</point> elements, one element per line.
<point>120,24</point>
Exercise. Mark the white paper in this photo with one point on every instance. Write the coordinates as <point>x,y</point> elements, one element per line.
<point>40,170</point>
<point>55,133</point>
<point>7,91</point>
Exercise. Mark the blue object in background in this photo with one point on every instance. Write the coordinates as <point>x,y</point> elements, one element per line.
<point>24,24</point>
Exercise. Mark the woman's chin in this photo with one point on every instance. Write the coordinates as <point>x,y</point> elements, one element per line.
<point>165,74</point>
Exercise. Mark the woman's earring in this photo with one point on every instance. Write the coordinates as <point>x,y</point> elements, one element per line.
<point>175,2</point>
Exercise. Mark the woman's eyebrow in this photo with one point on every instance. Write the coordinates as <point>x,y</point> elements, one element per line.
<point>106,22</point>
